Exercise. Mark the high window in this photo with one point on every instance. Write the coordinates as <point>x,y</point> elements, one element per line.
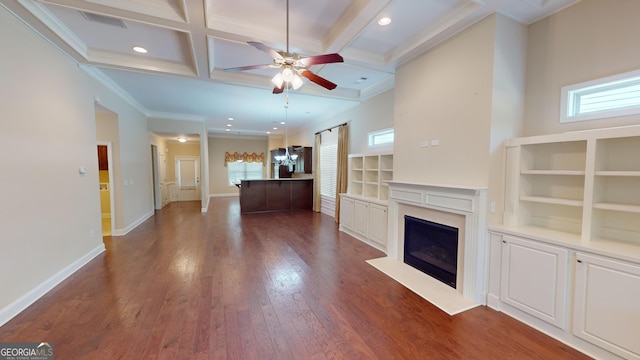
<point>381,138</point>
<point>613,96</point>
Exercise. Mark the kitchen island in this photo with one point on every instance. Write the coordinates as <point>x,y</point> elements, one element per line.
<point>267,195</point>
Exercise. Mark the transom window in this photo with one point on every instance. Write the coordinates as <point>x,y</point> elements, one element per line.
<point>381,138</point>
<point>612,96</point>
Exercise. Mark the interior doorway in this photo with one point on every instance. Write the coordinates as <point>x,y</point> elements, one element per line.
<point>106,187</point>
<point>188,177</point>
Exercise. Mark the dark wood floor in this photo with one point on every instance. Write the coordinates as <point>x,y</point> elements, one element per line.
<point>187,285</point>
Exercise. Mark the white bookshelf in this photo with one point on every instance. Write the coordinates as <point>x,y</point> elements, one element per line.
<point>369,176</point>
<point>363,208</point>
<point>585,184</point>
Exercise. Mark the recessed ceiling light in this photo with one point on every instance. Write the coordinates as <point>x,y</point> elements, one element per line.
<point>229,125</point>
<point>181,139</point>
<point>227,129</point>
<point>282,122</point>
<point>275,128</point>
<point>384,21</point>
<point>230,119</point>
<point>268,132</point>
<point>140,49</point>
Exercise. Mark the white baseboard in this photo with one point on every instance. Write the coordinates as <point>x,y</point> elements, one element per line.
<point>16,307</point>
<point>125,231</point>
<point>493,302</point>
<point>206,206</point>
<point>224,195</point>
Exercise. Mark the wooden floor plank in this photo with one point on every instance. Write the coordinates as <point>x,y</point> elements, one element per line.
<point>220,285</point>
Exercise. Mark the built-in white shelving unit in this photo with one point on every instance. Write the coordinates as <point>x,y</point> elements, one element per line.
<point>572,226</point>
<point>585,184</point>
<point>363,210</point>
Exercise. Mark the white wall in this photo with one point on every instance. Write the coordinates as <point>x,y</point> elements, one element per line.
<point>50,214</point>
<point>507,104</point>
<point>590,40</point>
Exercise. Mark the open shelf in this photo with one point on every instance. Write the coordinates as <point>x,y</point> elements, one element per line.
<point>369,174</point>
<point>582,183</point>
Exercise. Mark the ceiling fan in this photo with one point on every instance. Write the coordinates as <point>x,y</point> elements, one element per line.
<point>292,65</point>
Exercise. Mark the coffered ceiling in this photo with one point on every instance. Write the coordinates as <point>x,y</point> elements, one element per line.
<point>190,42</point>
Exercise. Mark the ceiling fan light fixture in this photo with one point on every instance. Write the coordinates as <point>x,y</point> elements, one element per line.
<point>287,74</point>
<point>296,82</point>
<point>277,80</point>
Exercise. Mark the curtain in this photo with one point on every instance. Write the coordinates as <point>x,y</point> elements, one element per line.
<point>246,157</point>
<point>317,199</point>
<point>343,159</point>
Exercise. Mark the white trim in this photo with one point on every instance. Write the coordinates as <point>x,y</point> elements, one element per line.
<point>125,231</point>
<point>20,304</point>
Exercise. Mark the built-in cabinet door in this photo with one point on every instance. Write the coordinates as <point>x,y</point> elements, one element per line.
<point>378,224</point>
<point>534,279</point>
<point>607,294</point>
<point>361,218</point>
<point>346,213</point>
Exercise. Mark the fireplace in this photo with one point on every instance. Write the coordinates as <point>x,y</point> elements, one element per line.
<point>459,207</point>
<point>431,248</point>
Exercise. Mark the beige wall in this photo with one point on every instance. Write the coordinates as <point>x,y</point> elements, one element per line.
<point>218,179</point>
<point>48,119</point>
<point>590,40</point>
<point>373,114</point>
<point>446,95</point>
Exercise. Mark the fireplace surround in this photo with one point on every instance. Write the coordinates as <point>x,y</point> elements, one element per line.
<point>463,207</point>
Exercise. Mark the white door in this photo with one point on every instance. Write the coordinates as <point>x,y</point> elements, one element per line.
<point>188,178</point>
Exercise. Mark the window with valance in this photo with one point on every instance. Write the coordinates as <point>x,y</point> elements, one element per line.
<point>243,157</point>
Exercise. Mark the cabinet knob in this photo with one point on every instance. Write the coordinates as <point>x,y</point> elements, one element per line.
<point>579,261</point>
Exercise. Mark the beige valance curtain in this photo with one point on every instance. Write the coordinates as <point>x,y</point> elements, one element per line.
<point>343,160</point>
<point>246,157</point>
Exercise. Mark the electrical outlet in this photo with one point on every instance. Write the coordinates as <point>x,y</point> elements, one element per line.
<point>424,143</point>
<point>493,206</point>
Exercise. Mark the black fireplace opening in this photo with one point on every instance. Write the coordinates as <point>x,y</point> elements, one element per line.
<point>431,248</point>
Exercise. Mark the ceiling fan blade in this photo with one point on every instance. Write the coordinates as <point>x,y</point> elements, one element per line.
<point>277,90</point>
<point>317,79</point>
<point>321,59</point>
<point>262,47</point>
<point>250,67</point>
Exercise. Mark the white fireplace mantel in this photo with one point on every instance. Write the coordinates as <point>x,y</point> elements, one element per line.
<point>467,202</point>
